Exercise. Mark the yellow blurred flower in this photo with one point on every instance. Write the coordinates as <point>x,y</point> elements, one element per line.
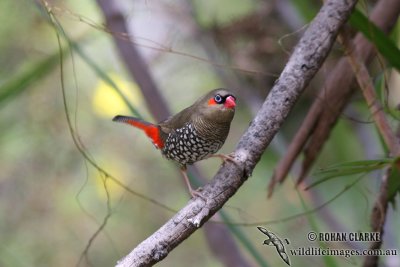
<point>107,102</point>
<point>106,186</point>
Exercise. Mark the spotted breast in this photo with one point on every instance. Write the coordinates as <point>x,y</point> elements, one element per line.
<point>185,146</point>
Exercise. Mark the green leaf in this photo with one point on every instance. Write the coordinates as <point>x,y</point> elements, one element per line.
<point>362,163</point>
<point>383,43</point>
<point>305,8</point>
<point>24,79</point>
<point>394,182</point>
<point>350,168</point>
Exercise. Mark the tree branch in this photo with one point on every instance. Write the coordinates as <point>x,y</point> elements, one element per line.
<point>331,101</point>
<point>307,58</point>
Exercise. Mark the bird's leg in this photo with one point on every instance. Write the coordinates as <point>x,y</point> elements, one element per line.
<point>193,193</point>
<point>224,158</point>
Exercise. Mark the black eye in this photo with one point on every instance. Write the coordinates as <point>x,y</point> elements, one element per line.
<point>218,99</point>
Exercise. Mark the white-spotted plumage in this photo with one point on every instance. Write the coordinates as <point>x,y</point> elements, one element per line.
<point>185,146</point>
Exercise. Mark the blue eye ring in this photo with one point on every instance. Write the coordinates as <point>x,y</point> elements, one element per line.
<point>218,99</point>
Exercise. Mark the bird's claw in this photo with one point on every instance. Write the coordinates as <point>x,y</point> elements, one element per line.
<point>197,193</point>
<point>225,158</point>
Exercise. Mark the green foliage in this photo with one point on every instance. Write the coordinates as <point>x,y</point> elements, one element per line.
<point>24,80</point>
<point>394,181</point>
<point>350,168</point>
<point>383,43</point>
<point>305,8</point>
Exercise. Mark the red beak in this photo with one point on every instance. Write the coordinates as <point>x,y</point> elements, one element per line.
<point>230,102</point>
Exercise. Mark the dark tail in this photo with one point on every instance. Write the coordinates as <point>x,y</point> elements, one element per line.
<point>135,122</point>
<point>151,130</point>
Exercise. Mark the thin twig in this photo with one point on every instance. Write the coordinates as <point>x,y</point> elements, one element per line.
<point>365,83</point>
<point>155,46</point>
<point>378,218</point>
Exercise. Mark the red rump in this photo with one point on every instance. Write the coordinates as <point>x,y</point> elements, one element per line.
<point>151,130</point>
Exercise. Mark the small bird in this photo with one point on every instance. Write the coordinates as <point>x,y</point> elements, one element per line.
<point>195,133</point>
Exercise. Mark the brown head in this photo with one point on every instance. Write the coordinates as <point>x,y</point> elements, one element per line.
<point>211,115</point>
<point>217,106</point>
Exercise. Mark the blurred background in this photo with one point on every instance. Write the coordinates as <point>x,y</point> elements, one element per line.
<point>53,201</point>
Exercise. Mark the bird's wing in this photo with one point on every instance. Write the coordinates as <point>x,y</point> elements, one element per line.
<point>176,121</point>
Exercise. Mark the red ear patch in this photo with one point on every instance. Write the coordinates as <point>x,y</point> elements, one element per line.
<point>211,101</point>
